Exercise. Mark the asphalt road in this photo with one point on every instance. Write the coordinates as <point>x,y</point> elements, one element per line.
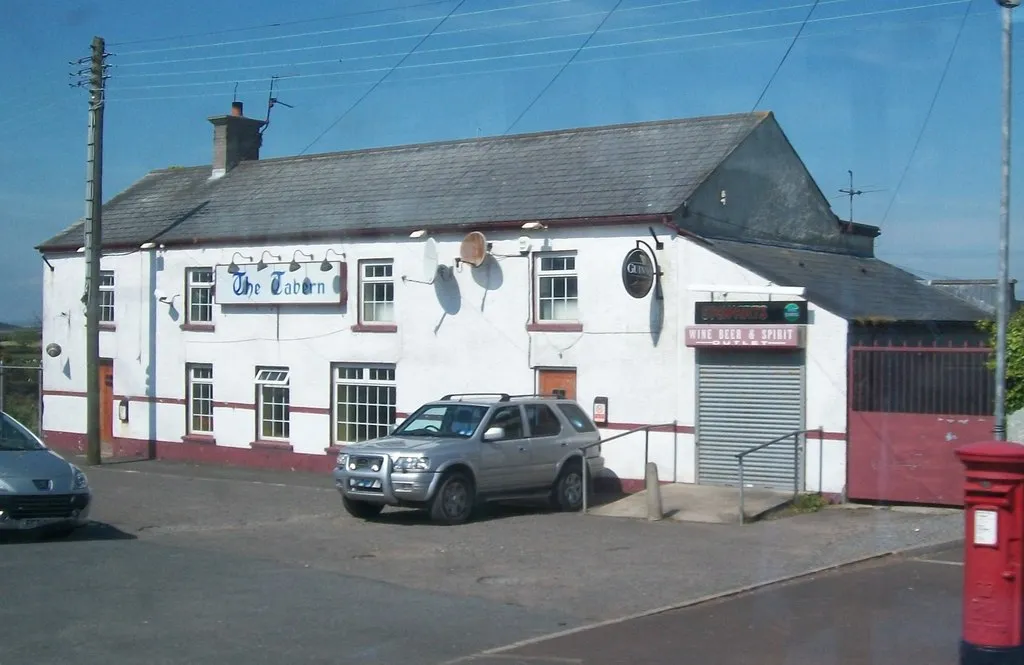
<point>889,612</point>
<point>200,565</point>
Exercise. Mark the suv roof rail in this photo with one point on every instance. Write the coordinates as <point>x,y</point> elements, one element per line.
<point>540,396</point>
<point>503,397</point>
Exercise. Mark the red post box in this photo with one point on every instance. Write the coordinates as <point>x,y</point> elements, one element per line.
<point>993,599</point>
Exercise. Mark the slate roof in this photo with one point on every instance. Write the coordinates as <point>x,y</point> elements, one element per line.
<point>852,287</point>
<point>620,170</point>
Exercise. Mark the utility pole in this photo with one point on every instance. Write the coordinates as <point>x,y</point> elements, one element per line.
<point>93,246</point>
<point>1003,296</point>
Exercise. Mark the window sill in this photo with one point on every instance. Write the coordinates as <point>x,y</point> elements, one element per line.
<point>108,327</point>
<point>554,327</point>
<point>198,327</point>
<point>283,446</point>
<point>375,328</point>
<point>204,439</point>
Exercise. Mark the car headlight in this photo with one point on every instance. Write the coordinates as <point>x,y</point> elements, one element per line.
<point>78,479</point>
<point>342,460</point>
<point>406,464</point>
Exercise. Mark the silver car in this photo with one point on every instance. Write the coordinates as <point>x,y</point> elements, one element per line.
<point>453,454</point>
<point>39,489</point>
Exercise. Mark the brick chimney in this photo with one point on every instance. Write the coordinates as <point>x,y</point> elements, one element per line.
<point>235,139</point>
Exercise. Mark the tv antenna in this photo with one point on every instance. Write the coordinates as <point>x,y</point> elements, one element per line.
<point>852,192</point>
<point>272,101</point>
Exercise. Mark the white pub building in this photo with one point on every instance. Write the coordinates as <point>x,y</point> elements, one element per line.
<point>686,273</point>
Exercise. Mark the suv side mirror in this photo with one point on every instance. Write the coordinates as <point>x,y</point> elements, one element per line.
<point>494,434</point>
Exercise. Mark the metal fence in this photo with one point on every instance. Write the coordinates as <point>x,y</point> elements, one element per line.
<point>944,381</point>
<point>21,394</point>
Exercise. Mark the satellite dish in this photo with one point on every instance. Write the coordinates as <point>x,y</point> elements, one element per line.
<point>474,248</point>
<point>429,260</point>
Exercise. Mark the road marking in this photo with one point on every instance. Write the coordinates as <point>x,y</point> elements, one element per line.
<point>540,660</point>
<point>939,561</point>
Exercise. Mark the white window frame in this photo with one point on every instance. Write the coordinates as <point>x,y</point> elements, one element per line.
<point>194,287</point>
<point>106,304</point>
<point>369,378</point>
<point>374,281</point>
<point>567,276</point>
<point>193,382</point>
<point>273,383</point>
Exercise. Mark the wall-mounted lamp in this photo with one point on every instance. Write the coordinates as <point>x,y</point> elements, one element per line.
<point>418,234</point>
<point>147,245</point>
<point>263,264</point>
<point>325,265</point>
<point>294,265</point>
<point>233,267</point>
<point>164,298</point>
<point>80,250</point>
<point>534,226</point>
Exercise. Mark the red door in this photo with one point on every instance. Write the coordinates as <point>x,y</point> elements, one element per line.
<point>562,381</point>
<point>106,402</point>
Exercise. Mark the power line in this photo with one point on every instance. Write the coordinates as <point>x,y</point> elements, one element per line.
<point>316,33</point>
<point>785,56</point>
<point>928,114</point>
<point>565,66</point>
<point>315,47</point>
<point>652,40</point>
<point>468,46</point>
<point>362,97</point>
<point>380,80</point>
<point>615,58</point>
<point>276,24</point>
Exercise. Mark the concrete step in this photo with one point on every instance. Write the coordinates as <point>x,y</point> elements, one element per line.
<point>710,504</point>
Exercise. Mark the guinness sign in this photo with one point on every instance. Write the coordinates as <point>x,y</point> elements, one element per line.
<point>637,273</point>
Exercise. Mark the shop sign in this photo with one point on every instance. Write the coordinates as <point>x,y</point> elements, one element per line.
<point>276,284</point>
<point>773,312</point>
<point>637,273</point>
<point>788,337</point>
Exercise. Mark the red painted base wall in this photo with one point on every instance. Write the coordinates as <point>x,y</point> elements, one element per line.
<point>204,453</point>
<point>277,460</point>
<point>908,458</point>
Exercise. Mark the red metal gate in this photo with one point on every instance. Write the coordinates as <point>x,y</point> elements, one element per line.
<point>909,407</point>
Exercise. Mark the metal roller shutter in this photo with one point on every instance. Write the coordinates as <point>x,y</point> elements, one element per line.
<point>746,398</point>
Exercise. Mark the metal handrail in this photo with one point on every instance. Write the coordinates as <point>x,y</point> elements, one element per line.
<point>796,461</point>
<point>646,429</point>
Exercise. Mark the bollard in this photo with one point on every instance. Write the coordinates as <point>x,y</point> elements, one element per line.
<point>654,511</point>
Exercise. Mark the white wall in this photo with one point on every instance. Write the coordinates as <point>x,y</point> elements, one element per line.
<point>481,344</point>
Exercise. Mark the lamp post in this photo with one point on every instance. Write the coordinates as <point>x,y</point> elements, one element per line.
<point>1003,296</point>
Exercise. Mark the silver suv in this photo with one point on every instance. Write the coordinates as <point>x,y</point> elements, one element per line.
<point>453,454</point>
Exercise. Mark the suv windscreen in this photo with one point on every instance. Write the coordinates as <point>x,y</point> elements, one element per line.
<point>443,420</point>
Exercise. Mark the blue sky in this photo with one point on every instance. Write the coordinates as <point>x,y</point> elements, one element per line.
<point>853,94</point>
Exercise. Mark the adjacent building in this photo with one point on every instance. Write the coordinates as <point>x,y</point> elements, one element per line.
<point>687,274</point>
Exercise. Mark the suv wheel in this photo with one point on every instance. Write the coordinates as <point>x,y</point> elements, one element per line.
<point>361,509</point>
<point>455,499</point>
<point>567,493</point>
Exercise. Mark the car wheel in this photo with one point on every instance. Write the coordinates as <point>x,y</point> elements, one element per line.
<point>455,499</point>
<point>567,494</point>
<point>361,509</point>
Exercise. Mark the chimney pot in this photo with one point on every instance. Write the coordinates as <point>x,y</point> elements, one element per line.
<point>236,109</point>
